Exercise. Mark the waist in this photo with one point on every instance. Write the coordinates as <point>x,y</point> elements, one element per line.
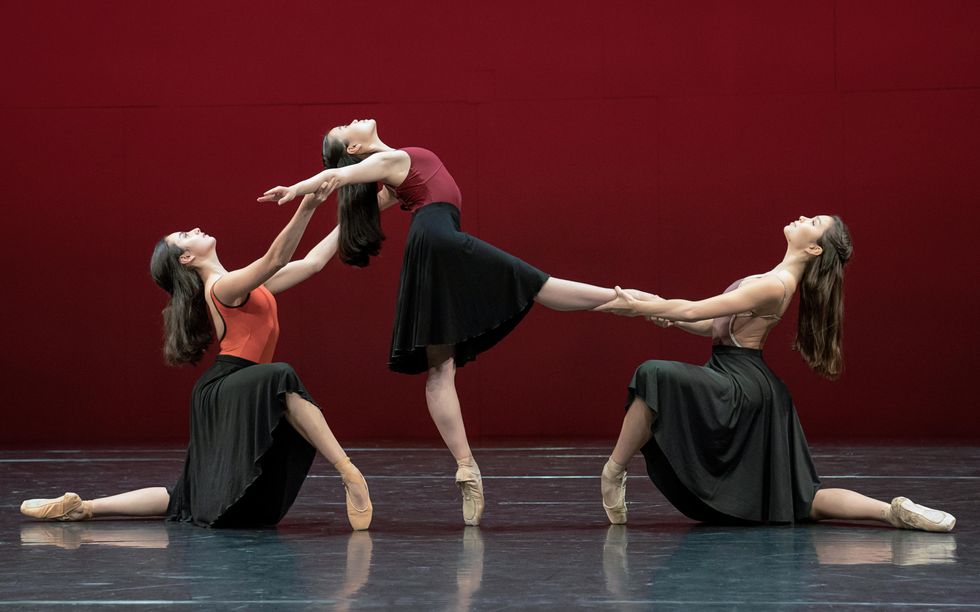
<point>434,208</point>
<point>223,366</point>
<point>434,218</point>
<point>727,349</point>
<point>235,361</point>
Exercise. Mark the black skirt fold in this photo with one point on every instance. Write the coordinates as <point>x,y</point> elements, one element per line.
<point>455,290</point>
<point>245,463</point>
<point>727,444</point>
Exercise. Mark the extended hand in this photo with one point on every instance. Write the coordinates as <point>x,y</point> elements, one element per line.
<point>624,305</point>
<point>280,195</point>
<point>660,321</point>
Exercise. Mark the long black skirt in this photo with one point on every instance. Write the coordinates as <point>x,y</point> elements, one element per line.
<point>456,290</point>
<point>245,463</point>
<point>727,445</point>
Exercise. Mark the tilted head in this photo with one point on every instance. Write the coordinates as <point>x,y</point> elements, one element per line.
<point>826,243</point>
<point>187,328</point>
<point>357,138</point>
<point>357,204</point>
<point>804,232</point>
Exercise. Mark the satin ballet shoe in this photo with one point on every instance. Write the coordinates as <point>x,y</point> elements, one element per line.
<point>613,485</point>
<point>360,518</point>
<point>470,484</point>
<point>906,514</point>
<point>68,507</point>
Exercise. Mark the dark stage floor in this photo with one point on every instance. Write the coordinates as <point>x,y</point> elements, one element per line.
<point>545,542</point>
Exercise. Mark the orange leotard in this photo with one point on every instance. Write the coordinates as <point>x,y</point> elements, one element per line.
<point>251,329</point>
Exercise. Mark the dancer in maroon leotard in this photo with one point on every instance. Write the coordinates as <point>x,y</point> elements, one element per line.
<point>458,295</point>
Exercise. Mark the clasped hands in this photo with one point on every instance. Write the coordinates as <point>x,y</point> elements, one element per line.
<point>280,195</point>
<point>626,304</point>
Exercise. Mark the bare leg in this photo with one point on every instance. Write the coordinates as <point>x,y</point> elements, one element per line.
<point>307,419</point>
<point>902,512</point>
<point>636,432</point>
<point>151,501</point>
<point>845,504</point>
<point>560,294</point>
<point>440,396</point>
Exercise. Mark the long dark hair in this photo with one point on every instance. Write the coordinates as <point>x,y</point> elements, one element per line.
<point>820,327</point>
<point>186,327</point>
<point>357,209</point>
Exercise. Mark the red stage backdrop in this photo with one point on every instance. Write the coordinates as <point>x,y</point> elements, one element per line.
<point>659,145</point>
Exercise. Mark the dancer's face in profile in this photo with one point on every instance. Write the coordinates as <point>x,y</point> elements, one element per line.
<point>356,135</point>
<point>804,232</point>
<point>195,244</point>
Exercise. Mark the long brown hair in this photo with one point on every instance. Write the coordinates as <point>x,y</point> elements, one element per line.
<point>186,327</point>
<point>357,209</point>
<point>820,326</point>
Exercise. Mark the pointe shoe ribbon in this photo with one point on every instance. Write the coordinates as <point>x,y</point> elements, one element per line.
<point>68,507</point>
<point>906,514</point>
<point>470,483</point>
<point>613,485</point>
<point>360,518</point>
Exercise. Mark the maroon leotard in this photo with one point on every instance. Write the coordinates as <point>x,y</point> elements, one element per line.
<point>428,181</point>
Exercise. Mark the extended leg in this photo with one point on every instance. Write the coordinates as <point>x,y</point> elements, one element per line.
<point>151,501</point>
<point>560,294</point>
<point>902,512</point>
<point>845,504</point>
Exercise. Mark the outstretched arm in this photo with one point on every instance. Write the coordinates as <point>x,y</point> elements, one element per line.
<point>233,287</point>
<point>762,294</point>
<point>698,328</point>
<point>388,167</point>
<point>298,271</point>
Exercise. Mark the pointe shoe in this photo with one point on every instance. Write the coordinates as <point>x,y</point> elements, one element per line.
<point>470,484</point>
<point>614,486</point>
<point>906,514</point>
<point>68,507</point>
<point>360,518</point>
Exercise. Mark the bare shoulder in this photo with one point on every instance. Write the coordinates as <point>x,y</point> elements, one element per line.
<point>772,285</point>
<point>393,157</point>
<point>397,163</point>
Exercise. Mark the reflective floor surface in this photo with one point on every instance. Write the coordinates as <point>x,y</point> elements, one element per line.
<point>544,542</point>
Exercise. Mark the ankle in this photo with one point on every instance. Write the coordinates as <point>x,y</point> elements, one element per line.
<point>613,469</point>
<point>83,512</point>
<point>467,462</point>
<point>346,468</point>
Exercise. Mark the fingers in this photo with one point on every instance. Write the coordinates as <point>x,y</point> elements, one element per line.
<point>272,195</point>
<point>610,305</point>
<point>325,189</point>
